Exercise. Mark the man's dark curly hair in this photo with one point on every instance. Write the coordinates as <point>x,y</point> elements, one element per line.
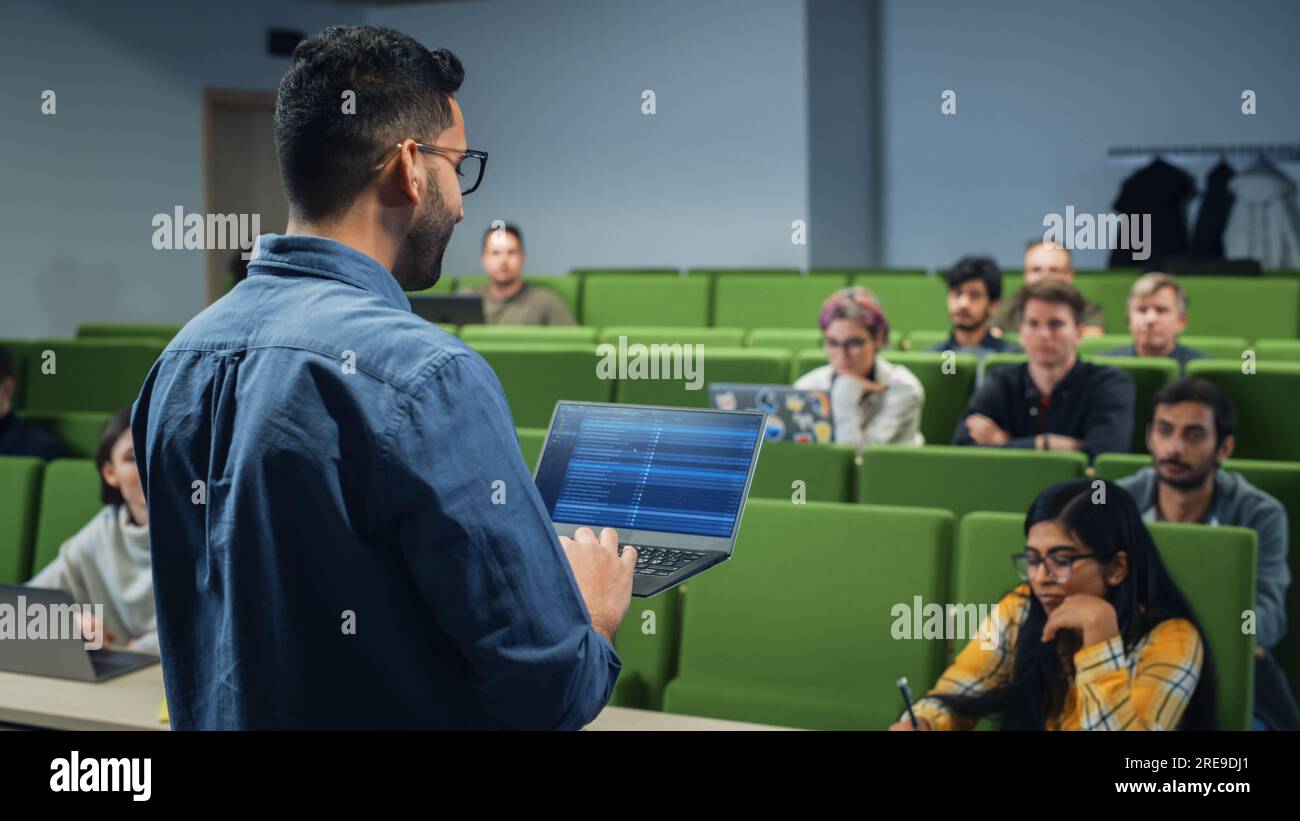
<point>402,90</point>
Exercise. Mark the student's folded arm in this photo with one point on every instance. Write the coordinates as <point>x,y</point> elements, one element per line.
<point>900,408</point>
<point>483,552</point>
<point>1273,577</point>
<point>1108,427</point>
<point>989,400</point>
<point>1157,693</point>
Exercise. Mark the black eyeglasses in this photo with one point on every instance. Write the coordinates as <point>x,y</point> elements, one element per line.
<point>849,346</point>
<point>1059,565</point>
<point>470,164</point>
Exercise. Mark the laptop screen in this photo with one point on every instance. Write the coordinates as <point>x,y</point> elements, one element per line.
<point>672,470</point>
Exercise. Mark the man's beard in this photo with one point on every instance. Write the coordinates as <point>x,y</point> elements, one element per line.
<point>1192,480</point>
<point>419,261</point>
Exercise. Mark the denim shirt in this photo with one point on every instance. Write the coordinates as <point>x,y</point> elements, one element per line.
<point>344,533</point>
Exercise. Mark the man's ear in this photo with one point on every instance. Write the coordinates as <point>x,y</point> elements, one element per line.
<point>410,179</point>
<point>8,386</point>
<point>1227,446</point>
<point>1151,426</point>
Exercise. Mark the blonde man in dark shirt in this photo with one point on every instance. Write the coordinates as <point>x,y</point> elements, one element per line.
<point>507,299</point>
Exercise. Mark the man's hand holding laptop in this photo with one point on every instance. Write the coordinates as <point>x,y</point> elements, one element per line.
<point>604,577</point>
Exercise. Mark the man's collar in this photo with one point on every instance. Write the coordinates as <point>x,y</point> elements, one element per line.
<point>297,254</point>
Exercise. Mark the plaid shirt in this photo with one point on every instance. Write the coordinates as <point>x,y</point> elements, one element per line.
<point>1147,689</point>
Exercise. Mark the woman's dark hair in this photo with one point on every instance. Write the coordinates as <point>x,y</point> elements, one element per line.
<point>119,424</point>
<point>1146,597</point>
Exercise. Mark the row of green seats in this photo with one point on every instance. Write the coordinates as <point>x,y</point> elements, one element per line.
<point>92,374</point>
<point>42,504</point>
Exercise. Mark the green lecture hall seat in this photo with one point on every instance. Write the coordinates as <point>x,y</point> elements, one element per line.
<point>69,499</point>
<point>911,303</point>
<point>523,334</point>
<point>20,487</point>
<point>1110,291</point>
<point>792,339</point>
<point>531,441</point>
<point>647,299</point>
<point>1275,350</point>
<point>137,330</point>
<point>1264,401</point>
<point>567,288</point>
<point>87,374</point>
<point>959,478</point>
<point>749,365</point>
<point>669,335</point>
<point>826,472</point>
<point>948,382</point>
<point>797,637</point>
<point>1213,566</point>
<point>535,376</point>
<point>78,430</point>
<point>648,642</point>
<point>762,301</point>
<point>1217,347</point>
<point>1149,375</point>
<point>1228,306</point>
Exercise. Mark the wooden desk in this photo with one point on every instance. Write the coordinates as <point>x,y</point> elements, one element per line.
<point>131,702</point>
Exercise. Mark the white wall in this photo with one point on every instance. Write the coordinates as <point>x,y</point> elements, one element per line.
<point>78,189</point>
<point>1043,88</point>
<point>553,93</point>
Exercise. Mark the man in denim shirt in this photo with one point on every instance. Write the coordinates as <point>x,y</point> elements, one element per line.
<point>344,532</point>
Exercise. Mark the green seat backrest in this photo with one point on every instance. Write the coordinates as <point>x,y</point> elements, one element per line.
<point>1110,291</point>
<point>652,299</point>
<point>18,349</point>
<point>536,376</point>
<point>648,642</point>
<point>567,288</point>
<point>584,272</point>
<point>140,330</point>
<point>1091,345</point>
<point>856,272</point>
<point>79,430</point>
<point>797,638</point>
<point>911,303</point>
<point>87,374</point>
<point>1214,567</point>
<point>961,479</point>
<point>1232,306</point>
<point>948,382</point>
<point>761,366</point>
<point>1149,374</point>
<point>792,339</point>
<point>1264,401</point>
<point>648,335</point>
<point>69,499</point>
<point>531,441</point>
<point>772,301</point>
<point>825,471</point>
<point>807,360</point>
<point>1217,347</point>
<point>528,334</point>
<point>1274,350</point>
<point>731,272</point>
<point>923,340</point>
<point>20,487</point>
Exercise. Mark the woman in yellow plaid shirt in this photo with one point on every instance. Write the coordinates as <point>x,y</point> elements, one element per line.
<point>1098,638</point>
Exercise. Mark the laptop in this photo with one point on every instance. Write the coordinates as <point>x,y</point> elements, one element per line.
<point>672,481</point>
<point>450,309</point>
<point>63,657</point>
<point>794,415</point>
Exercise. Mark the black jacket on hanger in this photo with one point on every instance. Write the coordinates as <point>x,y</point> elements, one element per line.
<point>1162,191</point>
<point>1207,238</point>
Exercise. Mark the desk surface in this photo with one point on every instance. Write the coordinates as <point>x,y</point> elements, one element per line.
<point>131,702</point>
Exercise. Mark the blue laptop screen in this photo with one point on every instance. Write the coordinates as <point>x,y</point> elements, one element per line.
<point>677,471</point>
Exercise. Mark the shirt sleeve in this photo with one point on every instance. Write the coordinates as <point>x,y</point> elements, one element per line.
<point>990,400</point>
<point>484,555</point>
<point>1273,577</point>
<point>1154,695</point>
<point>558,314</point>
<point>896,411</point>
<point>982,666</point>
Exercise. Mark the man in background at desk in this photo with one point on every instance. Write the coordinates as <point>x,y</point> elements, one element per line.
<point>507,299</point>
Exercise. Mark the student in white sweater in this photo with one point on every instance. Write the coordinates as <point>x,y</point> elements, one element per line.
<point>873,401</point>
<point>107,562</point>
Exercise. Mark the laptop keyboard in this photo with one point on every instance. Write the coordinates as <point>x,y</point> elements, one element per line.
<point>662,561</point>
